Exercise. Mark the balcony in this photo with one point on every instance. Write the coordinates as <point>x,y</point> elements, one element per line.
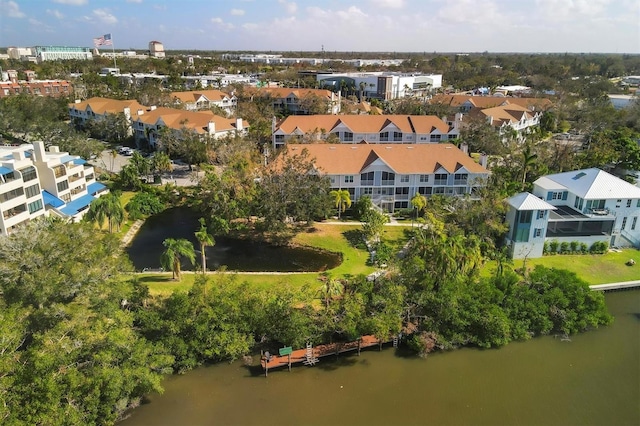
<point>440,182</point>
<point>460,182</point>
<point>14,211</point>
<point>390,182</point>
<point>366,182</point>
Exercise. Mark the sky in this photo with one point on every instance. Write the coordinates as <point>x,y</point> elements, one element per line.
<point>611,26</point>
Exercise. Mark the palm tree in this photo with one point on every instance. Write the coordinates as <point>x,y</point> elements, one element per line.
<point>174,252</point>
<point>205,239</point>
<point>342,200</point>
<point>330,289</point>
<point>418,202</point>
<point>106,207</point>
<point>528,159</point>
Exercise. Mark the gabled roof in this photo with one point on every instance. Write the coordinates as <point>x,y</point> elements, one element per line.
<point>341,159</point>
<point>506,114</point>
<point>193,96</point>
<point>591,184</point>
<point>491,101</point>
<point>197,121</point>
<point>284,92</point>
<point>363,123</point>
<point>106,105</point>
<point>527,201</point>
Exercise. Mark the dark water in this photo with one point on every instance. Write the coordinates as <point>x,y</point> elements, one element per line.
<point>236,254</point>
<point>592,380</point>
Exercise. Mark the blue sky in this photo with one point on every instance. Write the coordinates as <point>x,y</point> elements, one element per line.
<point>342,25</point>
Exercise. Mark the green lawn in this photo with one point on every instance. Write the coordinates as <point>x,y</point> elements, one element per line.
<point>337,238</point>
<point>594,269</point>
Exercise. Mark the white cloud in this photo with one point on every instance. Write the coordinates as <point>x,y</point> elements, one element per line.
<point>388,4</point>
<point>562,10</point>
<point>105,16</point>
<point>291,8</point>
<point>470,12</point>
<point>219,23</point>
<point>11,9</point>
<point>134,1</point>
<point>71,2</point>
<point>55,13</point>
<point>237,12</point>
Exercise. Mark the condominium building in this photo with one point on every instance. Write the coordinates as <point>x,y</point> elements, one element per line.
<point>35,182</point>
<point>298,101</point>
<point>204,99</point>
<point>412,129</point>
<point>381,85</point>
<point>55,53</point>
<point>392,174</point>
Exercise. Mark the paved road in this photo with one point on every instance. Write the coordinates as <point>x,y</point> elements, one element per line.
<point>181,176</point>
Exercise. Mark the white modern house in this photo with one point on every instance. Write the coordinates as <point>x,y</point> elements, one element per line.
<point>391,174</point>
<point>35,182</point>
<point>586,206</point>
<point>350,129</point>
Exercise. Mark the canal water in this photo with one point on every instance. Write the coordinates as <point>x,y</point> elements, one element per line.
<point>594,379</point>
<point>236,254</point>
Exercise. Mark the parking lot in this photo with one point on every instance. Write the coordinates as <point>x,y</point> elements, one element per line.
<point>180,175</point>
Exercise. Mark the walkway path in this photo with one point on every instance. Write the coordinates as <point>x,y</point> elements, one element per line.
<point>615,286</point>
<point>126,240</point>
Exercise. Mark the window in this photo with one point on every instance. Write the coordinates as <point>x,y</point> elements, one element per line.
<point>441,179</point>
<point>28,173</point>
<point>384,136</point>
<point>578,203</point>
<point>638,204</point>
<point>424,178</point>
<point>424,190</point>
<point>366,178</point>
<point>348,179</point>
<point>402,191</point>
<point>397,136</point>
<point>541,214</point>
<point>525,217</point>
<point>367,191</point>
<point>537,232</point>
<point>618,203</point>
<point>633,223</point>
<point>388,178</point>
<point>66,198</point>
<point>348,137</point>
<point>10,195</point>
<point>557,195</point>
<point>460,178</point>
<point>35,206</point>
<point>435,138</point>
<point>624,223</point>
<point>404,178</point>
<point>628,203</point>
<point>63,185</point>
<point>32,191</point>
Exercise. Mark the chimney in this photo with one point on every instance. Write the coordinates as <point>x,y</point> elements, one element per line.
<point>13,76</point>
<point>464,148</point>
<point>54,149</point>
<point>38,151</point>
<point>140,112</point>
<point>484,159</point>
<point>211,127</point>
<point>78,101</point>
<point>457,120</point>
<point>152,108</point>
<point>239,124</point>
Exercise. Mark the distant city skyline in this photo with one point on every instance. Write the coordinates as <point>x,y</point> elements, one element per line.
<point>597,26</point>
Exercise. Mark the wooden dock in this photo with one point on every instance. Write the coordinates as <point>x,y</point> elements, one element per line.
<point>626,285</point>
<point>310,356</point>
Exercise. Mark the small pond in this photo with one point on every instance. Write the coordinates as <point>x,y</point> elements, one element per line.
<point>236,254</point>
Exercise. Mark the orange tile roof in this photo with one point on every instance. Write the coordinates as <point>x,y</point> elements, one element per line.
<point>340,159</point>
<point>106,105</point>
<point>192,96</point>
<point>491,101</point>
<point>363,123</point>
<point>284,92</point>
<point>198,121</point>
<point>506,113</point>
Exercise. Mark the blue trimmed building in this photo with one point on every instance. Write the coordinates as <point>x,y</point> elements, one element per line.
<point>36,182</point>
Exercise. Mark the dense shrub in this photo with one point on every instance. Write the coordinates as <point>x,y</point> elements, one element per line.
<point>564,247</point>
<point>553,246</point>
